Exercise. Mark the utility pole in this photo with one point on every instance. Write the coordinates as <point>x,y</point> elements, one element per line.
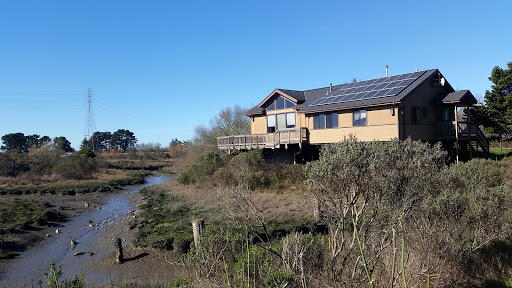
<point>90,125</point>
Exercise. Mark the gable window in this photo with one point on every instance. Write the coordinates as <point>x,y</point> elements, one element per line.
<point>359,118</point>
<point>416,115</point>
<point>280,103</point>
<point>325,120</point>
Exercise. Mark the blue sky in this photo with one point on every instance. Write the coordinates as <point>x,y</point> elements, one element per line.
<point>160,68</point>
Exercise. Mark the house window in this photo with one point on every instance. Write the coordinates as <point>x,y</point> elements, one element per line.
<point>448,114</point>
<point>290,120</point>
<point>319,121</point>
<point>325,120</point>
<point>280,121</point>
<point>331,120</point>
<point>416,115</point>
<point>359,118</point>
<point>271,123</point>
<point>279,103</point>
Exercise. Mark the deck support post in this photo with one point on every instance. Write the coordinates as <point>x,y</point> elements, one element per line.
<point>456,136</point>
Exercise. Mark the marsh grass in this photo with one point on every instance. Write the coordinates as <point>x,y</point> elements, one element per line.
<point>24,213</point>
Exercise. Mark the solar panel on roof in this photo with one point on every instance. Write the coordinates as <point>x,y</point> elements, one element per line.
<point>367,89</point>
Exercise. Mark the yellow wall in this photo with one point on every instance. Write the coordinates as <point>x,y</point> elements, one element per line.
<point>258,125</point>
<point>381,125</point>
<point>365,133</point>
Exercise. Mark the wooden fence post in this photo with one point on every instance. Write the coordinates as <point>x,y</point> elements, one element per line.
<point>119,254</point>
<point>197,228</point>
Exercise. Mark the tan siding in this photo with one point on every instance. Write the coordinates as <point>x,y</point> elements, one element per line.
<point>381,116</point>
<point>300,120</point>
<point>366,133</point>
<point>280,111</point>
<point>345,119</point>
<point>381,125</point>
<point>259,125</point>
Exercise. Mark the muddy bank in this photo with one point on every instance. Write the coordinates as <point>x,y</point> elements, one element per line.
<point>92,228</point>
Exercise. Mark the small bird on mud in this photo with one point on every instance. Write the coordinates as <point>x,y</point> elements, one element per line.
<point>73,241</point>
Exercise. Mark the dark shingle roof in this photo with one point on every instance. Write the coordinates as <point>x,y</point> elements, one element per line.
<point>371,101</point>
<point>459,96</point>
<point>307,97</point>
<point>299,95</point>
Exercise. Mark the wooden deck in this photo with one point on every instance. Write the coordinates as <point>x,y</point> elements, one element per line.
<point>268,140</point>
<point>465,130</point>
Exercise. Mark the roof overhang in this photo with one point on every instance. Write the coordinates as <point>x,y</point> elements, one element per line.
<point>351,107</point>
<point>464,97</point>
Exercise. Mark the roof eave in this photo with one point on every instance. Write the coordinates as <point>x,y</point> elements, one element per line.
<point>327,109</point>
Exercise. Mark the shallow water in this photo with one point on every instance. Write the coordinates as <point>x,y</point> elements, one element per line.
<point>27,269</point>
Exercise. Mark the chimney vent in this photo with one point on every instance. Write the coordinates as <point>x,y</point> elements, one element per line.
<point>330,87</point>
<point>386,70</point>
<point>416,70</point>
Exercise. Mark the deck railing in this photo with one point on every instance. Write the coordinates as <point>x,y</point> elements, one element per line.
<point>268,140</point>
<point>465,130</point>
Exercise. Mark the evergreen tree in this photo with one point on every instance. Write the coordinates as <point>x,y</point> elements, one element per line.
<point>497,114</point>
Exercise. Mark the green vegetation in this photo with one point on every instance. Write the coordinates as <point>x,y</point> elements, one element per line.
<point>23,213</point>
<point>165,221</point>
<point>75,188</point>
<point>497,153</point>
<point>497,113</point>
<point>417,220</point>
<point>120,140</point>
<point>243,169</point>
<point>54,274</point>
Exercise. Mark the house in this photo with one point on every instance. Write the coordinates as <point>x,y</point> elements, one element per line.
<point>420,104</point>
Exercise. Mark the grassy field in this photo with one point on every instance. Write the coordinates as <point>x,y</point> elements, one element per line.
<point>498,154</point>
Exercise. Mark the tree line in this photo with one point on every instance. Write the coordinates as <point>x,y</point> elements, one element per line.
<point>21,143</point>
<point>105,141</point>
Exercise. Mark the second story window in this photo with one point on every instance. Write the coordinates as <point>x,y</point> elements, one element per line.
<point>280,103</point>
<point>359,118</point>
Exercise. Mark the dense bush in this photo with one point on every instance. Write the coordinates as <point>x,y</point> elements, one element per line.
<point>47,163</point>
<point>400,193</point>
<point>76,167</point>
<point>206,165</point>
<point>246,168</point>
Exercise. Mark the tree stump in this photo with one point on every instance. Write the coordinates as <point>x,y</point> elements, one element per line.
<point>197,228</point>
<point>119,247</point>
